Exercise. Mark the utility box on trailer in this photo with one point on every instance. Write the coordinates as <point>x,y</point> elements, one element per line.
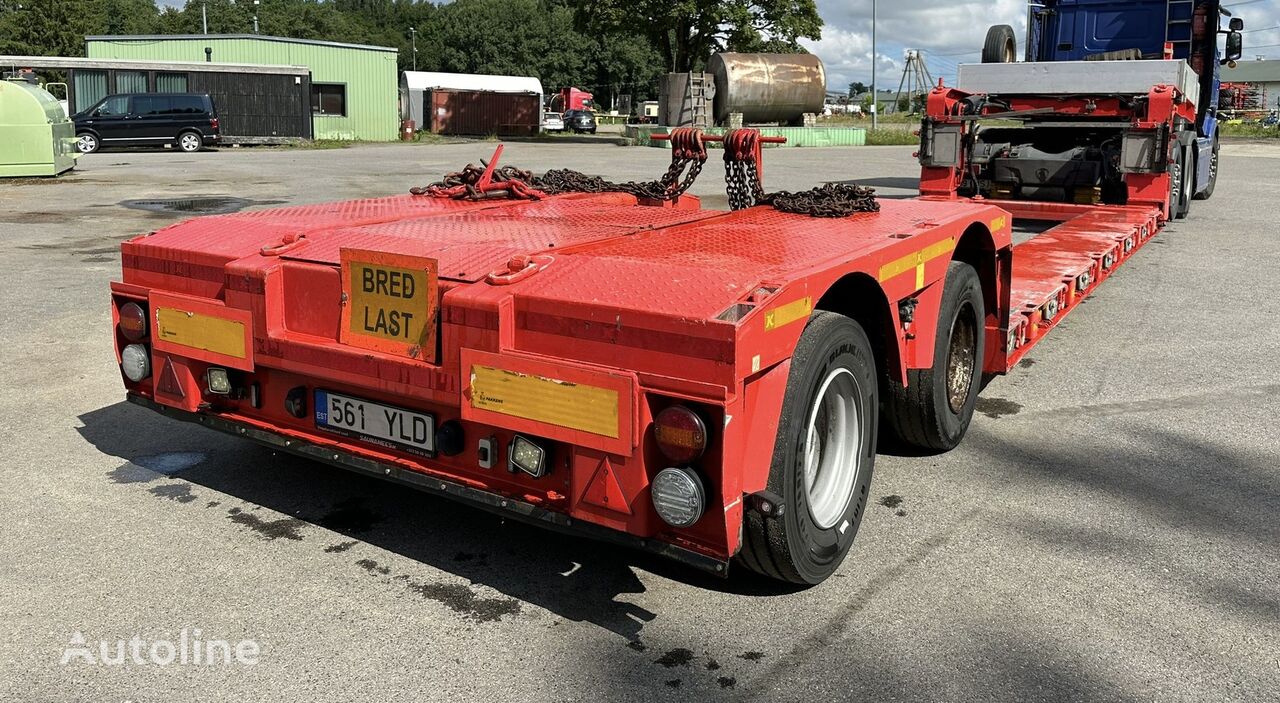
<point>36,137</point>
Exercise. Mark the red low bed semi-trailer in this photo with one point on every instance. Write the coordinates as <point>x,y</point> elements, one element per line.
<point>701,384</point>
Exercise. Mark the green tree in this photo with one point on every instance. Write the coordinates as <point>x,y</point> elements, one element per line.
<point>857,88</point>
<point>687,32</point>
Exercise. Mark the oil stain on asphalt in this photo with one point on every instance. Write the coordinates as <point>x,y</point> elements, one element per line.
<point>676,657</point>
<point>997,408</point>
<point>349,517</point>
<point>196,205</point>
<point>179,492</point>
<point>270,530</point>
<point>457,597</point>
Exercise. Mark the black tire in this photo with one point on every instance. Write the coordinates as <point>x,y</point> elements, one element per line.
<point>88,142</point>
<point>189,141</point>
<point>1213,174</point>
<point>794,546</point>
<point>1188,181</point>
<point>1179,181</point>
<point>928,413</point>
<point>1001,45</point>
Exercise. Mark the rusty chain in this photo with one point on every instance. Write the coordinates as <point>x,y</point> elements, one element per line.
<point>827,200</point>
<point>688,155</point>
<point>742,183</point>
<point>469,177</point>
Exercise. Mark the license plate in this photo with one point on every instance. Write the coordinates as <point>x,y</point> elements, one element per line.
<point>377,423</point>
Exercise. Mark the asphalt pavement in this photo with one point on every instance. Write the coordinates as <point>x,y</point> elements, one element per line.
<point>1109,530</point>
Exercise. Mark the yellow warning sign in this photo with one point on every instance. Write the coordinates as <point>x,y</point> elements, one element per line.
<point>389,302</point>
<point>561,403</point>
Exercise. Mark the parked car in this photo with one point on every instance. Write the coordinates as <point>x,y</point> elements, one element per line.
<point>551,122</point>
<point>580,121</point>
<point>185,120</point>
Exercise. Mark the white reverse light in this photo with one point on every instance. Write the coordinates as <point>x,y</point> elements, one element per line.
<point>219,380</point>
<point>678,496</point>
<point>528,457</point>
<point>135,361</point>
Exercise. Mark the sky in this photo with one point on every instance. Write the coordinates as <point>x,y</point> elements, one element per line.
<point>949,32</point>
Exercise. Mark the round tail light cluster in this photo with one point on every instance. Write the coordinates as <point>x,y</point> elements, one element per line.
<point>133,322</point>
<point>678,494</point>
<point>681,435</point>
<point>135,361</point>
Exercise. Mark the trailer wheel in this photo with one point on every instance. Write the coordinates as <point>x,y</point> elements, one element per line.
<point>1001,45</point>
<point>1213,174</point>
<point>935,408</point>
<point>823,456</point>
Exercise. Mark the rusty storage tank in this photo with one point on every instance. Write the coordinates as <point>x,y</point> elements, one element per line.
<point>767,87</point>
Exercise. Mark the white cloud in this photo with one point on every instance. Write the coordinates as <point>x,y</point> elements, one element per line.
<point>952,33</point>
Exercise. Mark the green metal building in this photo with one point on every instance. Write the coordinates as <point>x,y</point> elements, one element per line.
<point>354,88</point>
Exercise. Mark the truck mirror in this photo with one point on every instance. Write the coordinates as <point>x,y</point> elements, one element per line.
<point>1235,46</point>
<point>1236,24</point>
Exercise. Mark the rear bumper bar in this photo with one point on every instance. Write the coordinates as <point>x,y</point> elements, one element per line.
<point>491,502</point>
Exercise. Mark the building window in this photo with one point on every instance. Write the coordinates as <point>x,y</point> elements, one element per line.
<point>329,99</point>
<point>171,82</point>
<point>90,87</point>
<point>131,82</point>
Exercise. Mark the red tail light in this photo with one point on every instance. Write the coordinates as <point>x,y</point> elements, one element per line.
<point>133,321</point>
<point>213,122</point>
<point>680,433</point>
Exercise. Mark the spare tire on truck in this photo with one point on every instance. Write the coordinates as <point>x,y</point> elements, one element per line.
<point>1001,45</point>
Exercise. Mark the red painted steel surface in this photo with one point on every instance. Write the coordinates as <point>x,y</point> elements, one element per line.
<point>600,295</point>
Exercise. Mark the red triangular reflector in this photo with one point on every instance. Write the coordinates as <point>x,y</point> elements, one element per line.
<point>169,382</point>
<point>603,490</point>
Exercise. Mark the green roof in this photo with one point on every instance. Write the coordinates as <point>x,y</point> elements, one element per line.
<point>254,37</point>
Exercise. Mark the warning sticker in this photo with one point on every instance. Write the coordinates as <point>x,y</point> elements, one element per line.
<point>390,302</point>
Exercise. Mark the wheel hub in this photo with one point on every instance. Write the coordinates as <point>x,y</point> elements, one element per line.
<point>961,353</point>
<point>833,448</point>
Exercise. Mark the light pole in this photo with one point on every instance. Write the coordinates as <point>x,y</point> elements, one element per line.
<point>413,37</point>
<point>255,16</point>
<point>875,112</point>
<point>204,15</point>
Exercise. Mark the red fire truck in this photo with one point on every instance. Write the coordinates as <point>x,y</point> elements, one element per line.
<point>706,385</point>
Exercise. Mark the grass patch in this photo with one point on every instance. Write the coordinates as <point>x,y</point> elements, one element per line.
<point>1249,131</point>
<point>891,137</point>
<point>313,144</point>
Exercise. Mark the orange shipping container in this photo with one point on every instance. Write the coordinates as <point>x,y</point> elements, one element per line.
<point>482,113</point>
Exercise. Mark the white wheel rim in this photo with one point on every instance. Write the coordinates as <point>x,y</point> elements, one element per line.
<point>189,142</point>
<point>833,447</point>
<point>86,143</point>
